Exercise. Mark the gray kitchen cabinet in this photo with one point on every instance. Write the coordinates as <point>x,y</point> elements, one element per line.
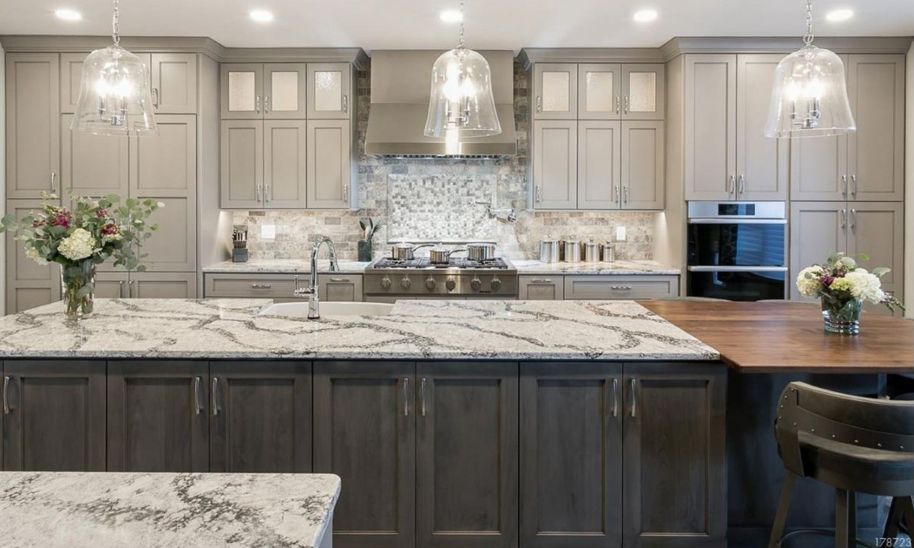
<point>818,169</point>
<point>710,127</point>
<point>875,158</point>
<point>599,165</point>
<point>241,92</point>
<point>92,165</point>
<point>586,287</point>
<point>284,91</point>
<point>260,417</point>
<point>158,416</point>
<point>571,455</point>
<point>555,164</point>
<point>252,285</point>
<point>643,91</point>
<point>173,77</point>
<point>817,229</point>
<point>329,161</point>
<point>339,287</point>
<point>599,91</point>
<point>540,288</point>
<point>54,418</point>
<point>761,162</point>
<point>329,91</point>
<point>467,455</point>
<point>28,284</point>
<point>32,124</point>
<point>241,172</point>
<point>284,158</point>
<point>555,87</point>
<point>71,68</point>
<point>674,472</point>
<point>643,180</point>
<point>111,285</point>
<point>162,285</point>
<point>365,432</point>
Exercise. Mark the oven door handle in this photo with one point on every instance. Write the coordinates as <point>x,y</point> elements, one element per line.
<point>737,269</point>
<point>736,221</point>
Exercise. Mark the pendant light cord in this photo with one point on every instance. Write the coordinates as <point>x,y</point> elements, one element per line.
<point>808,37</point>
<point>114,29</point>
<point>460,27</point>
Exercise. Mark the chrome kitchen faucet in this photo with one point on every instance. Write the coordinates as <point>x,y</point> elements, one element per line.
<point>314,304</point>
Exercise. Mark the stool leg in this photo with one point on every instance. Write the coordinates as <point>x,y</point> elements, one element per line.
<point>907,514</point>
<point>896,513</point>
<point>845,519</point>
<point>780,518</point>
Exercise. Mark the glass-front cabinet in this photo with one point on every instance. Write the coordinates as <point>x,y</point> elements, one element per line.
<point>329,88</point>
<point>556,91</point>
<point>263,91</point>
<point>598,91</point>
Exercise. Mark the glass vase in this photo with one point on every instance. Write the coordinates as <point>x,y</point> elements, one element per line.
<point>842,317</point>
<point>364,249</point>
<point>79,289</point>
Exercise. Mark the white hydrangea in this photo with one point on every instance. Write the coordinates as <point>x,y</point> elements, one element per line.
<point>865,286</point>
<point>33,254</point>
<point>808,281</point>
<point>77,246</point>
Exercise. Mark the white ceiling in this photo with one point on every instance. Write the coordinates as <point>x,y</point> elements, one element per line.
<point>495,24</point>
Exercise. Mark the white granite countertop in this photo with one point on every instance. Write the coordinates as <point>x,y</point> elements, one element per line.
<point>622,268</point>
<point>108,509</point>
<point>439,329</point>
<point>282,266</point>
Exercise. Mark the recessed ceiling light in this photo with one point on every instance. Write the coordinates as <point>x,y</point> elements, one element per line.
<point>836,16</point>
<point>68,14</point>
<point>261,16</point>
<point>451,16</point>
<point>645,16</point>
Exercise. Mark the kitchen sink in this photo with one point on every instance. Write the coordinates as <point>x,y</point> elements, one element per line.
<point>328,309</point>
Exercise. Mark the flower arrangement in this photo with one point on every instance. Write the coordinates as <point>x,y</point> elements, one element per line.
<point>843,287</point>
<point>80,238</point>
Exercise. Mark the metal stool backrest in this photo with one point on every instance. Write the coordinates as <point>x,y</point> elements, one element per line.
<point>806,412</point>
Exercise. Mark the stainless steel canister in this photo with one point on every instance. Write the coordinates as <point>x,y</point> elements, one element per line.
<point>609,252</point>
<point>572,251</point>
<point>591,252</point>
<point>549,251</point>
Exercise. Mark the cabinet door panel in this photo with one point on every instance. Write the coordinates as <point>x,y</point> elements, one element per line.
<point>876,229</point>
<point>556,87</point>
<point>643,90</point>
<point>818,168</point>
<point>111,285</point>
<point>163,285</point>
<point>32,124</point>
<point>541,288</point>
<point>761,162</point>
<point>260,417</point>
<point>165,165</point>
<point>92,165</point>
<point>340,287</point>
<point>71,71</point>
<point>284,91</point>
<point>28,284</point>
<point>571,455</point>
<point>467,463</point>
<point>643,176</point>
<point>284,171</point>
<point>241,174</point>
<point>817,229</point>
<point>174,82</point>
<point>875,160</point>
<point>599,165</point>
<point>158,416</point>
<point>329,90</point>
<point>555,164</point>
<point>674,474</point>
<point>57,416</point>
<point>599,92</point>
<point>364,431</point>
<point>710,121</point>
<point>242,91</point>
<point>329,164</point>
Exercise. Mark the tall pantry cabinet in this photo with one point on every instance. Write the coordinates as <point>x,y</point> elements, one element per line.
<point>45,156</point>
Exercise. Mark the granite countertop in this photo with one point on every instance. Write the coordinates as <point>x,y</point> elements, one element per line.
<point>108,509</point>
<point>435,329</point>
<point>622,268</point>
<point>282,266</point>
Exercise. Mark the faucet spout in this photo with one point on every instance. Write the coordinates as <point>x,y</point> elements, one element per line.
<point>314,312</point>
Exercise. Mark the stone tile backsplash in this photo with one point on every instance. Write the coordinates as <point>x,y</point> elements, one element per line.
<point>435,199</point>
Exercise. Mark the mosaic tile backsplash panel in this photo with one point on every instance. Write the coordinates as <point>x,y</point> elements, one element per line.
<point>435,200</point>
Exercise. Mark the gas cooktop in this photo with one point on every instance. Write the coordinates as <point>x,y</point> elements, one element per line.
<point>460,263</point>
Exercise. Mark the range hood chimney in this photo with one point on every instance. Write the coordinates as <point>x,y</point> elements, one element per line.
<point>400,88</point>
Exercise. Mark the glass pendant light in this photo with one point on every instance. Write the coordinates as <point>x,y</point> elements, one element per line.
<point>461,104</point>
<point>114,97</point>
<point>810,93</point>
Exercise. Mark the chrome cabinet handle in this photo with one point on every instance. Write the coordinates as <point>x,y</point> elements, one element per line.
<point>854,184</point>
<point>257,103</point>
<point>843,219</point>
<point>543,281</point>
<point>634,397</point>
<point>155,98</point>
<point>405,396</point>
<point>6,399</point>
<point>338,280</point>
<point>267,194</point>
<point>261,286</point>
<point>345,103</point>
<point>626,106</point>
<point>345,190</point>
<point>844,184</point>
<point>53,183</point>
<point>853,220</point>
<point>130,289</point>
<point>198,405</point>
<point>731,186</point>
<point>539,103</point>
<point>215,402</point>
<point>266,104</point>
<point>258,196</point>
<point>742,184</point>
<point>615,397</point>
<point>422,410</point>
<point>538,195</point>
<point>120,289</point>
<point>625,195</point>
<point>621,287</point>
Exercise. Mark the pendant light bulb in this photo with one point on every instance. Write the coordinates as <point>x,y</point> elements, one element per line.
<point>809,98</point>
<point>114,94</point>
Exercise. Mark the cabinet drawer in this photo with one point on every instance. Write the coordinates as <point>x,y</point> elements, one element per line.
<point>250,285</point>
<point>621,287</point>
<point>541,288</point>
<point>340,287</point>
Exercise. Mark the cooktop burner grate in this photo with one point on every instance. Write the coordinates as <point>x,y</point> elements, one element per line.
<point>455,262</point>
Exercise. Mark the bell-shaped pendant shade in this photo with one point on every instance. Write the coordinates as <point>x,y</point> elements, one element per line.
<point>809,98</point>
<point>461,104</point>
<point>114,97</point>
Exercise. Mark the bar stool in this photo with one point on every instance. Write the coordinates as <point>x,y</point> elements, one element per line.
<point>852,443</point>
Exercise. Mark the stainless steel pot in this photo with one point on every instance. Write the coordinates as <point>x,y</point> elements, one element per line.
<point>591,252</point>
<point>441,255</point>
<point>572,251</point>
<point>549,251</point>
<point>481,252</point>
<point>404,251</point>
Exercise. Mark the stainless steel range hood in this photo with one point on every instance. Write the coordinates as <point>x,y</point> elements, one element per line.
<point>400,87</point>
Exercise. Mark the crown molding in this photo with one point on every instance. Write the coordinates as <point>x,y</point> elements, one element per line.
<point>355,56</point>
<point>529,56</point>
<point>783,44</point>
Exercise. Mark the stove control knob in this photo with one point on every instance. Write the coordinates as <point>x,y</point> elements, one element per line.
<point>405,283</point>
<point>451,283</point>
<point>476,284</point>
<point>430,283</point>
<point>496,284</point>
<point>385,282</point>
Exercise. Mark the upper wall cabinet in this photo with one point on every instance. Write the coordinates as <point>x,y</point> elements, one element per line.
<point>556,89</point>
<point>598,91</point>
<point>643,92</point>
<point>761,162</point>
<point>329,90</point>
<point>258,91</point>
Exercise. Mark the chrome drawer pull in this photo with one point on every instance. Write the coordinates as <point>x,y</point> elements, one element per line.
<point>615,397</point>
<point>338,280</point>
<point>215,399</point>
<point>634,397</point>
<point>544,281</point>
<point>621,287</point>
<point>261,286</point>
<point>405,396</point>
<point>6,400</point>
<point>198,405</point>
<point>422,396</point>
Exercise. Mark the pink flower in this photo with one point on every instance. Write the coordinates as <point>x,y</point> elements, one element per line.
<point>827,280</point>
<point>62,219</point>
<point>101,213</point>
<point>109,229</point>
